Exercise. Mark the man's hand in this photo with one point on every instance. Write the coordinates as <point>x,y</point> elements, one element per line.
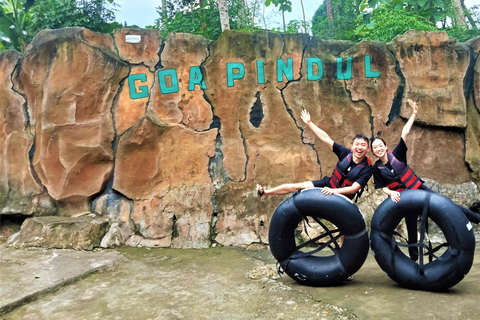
<point>395,196</point>
<point>305,116</point>
<point>328,191</point>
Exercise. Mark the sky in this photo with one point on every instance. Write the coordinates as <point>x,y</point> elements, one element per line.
<point>143,12</point>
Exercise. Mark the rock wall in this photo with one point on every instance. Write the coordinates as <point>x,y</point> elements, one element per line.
<point>166,139</point>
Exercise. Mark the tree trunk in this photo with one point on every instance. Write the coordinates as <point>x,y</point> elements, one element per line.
<point>204,19</point>
<point>329,10</point>
<point>242,14</point>
<point>164,5</point>
<point>283,17</point>
<point>224,18</point>
<point>304,21</point>
<point>458,10</point>
<point>264,21</point>
<point>254,11</point>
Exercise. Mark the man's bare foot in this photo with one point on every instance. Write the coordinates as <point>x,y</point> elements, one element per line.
<point>260,190</point>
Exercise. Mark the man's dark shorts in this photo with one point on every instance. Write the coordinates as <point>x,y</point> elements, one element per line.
<point>325,182</point>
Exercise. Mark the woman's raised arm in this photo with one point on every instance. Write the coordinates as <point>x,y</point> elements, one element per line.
<point>408,125</point>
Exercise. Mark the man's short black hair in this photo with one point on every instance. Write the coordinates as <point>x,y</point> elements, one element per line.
<point>360,136</point>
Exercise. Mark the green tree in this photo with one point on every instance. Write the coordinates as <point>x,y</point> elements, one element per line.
<point>384,19</point>
<point>283,5</point>
<point>388,20</point>
<point>338,22</point>
<point>96,15</point>
<point>12,24</point>
<point>201,17</point>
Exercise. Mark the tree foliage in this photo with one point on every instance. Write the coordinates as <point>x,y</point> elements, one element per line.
<point>389,19</point>
<point>283,5</point>
<point>96,15</point>
<point>202,17</point>
<point>384,19</point>
<point>12,22</point>
<point>344,13</point>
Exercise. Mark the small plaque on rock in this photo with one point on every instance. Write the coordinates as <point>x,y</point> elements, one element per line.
<point>133,38</point>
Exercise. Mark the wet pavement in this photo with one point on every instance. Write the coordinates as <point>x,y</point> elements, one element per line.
<point>216,283</point>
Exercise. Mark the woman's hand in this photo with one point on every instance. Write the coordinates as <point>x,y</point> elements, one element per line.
<point>413,105</point>
<point>408,125</point>
<point>395,196</point>
<point>305,116</point>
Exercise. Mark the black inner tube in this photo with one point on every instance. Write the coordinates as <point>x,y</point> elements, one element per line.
<point>307,267</point>
<point>442,271</point>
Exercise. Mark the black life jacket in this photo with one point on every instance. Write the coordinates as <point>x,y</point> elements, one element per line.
<point>407,179</point>
<point>340,180</point>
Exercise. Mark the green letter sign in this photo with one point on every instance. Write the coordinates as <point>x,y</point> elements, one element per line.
<point>368,69</point>
<point>310,63</point>
<point>348,74</point>
<point>196,77</point>
<point>233,76</point>
<point>283,69</point>
<point>143,90</point>
<point>162,74</point>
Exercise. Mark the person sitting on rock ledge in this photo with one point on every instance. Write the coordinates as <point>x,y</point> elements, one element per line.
<point>351,174</point>
<point>393,175</point>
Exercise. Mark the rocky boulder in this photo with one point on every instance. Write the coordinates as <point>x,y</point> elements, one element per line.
<point>260,140</point>
<point>182,52</point>
<point>434,66</point>
<point>474,45</point>
<point>139,46</point>
<point>129,111</point>
<point>71,115</point>
<point>169,200</point>
<point>20,192</point>
<point>81,233</point>
<point>430,152</point>
<point>472,142</point>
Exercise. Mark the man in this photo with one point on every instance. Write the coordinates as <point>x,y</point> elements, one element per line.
<point>351,174</point>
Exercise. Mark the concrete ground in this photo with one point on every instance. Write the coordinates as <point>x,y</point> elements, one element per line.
<point>216,283</point>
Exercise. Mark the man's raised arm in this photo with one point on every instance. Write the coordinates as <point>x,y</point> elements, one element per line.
<point>322,135</point>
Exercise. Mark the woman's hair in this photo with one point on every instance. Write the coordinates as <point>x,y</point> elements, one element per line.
<point>377,137</point>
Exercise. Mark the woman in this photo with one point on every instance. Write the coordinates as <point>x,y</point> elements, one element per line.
<point>392,173</point>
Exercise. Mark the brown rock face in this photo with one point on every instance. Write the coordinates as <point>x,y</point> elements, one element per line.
<point>434,67</point>
<point>472,141</point>
<point>260,140</point>
<point>378,92</point>
<point>329,102</point>
<point>474,44</point>
<point>19,191</point>
<point>182,53</point>
<point>71,114</point>
<point>164,169</point>
<point>130,110</point>
<point>430,152</point>
<point>190,140</point>
<point>82,233</point>
<point>139,46</point>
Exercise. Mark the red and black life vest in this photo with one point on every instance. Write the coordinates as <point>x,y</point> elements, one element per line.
<point>407,179</point>
<point>340,179</point>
